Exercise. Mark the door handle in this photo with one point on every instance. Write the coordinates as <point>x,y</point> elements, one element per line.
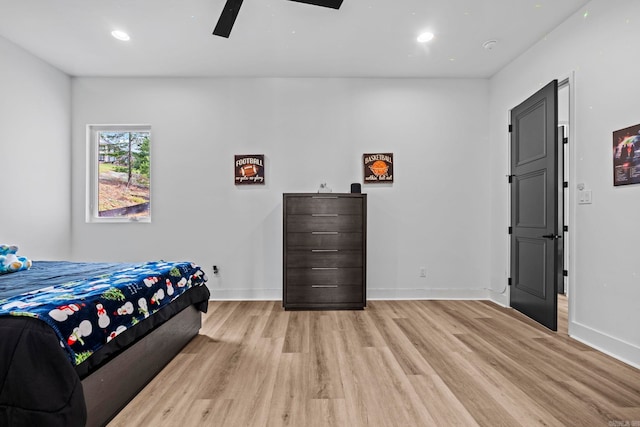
<point>552,236</point>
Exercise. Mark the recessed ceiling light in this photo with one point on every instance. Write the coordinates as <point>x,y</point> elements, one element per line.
<point>425,37</point>
<point>120,35</point>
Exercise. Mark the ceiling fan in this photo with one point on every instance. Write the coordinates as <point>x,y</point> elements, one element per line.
<point>232,7</point>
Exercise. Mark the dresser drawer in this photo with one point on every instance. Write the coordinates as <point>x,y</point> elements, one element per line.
<point>324,205</point>
<point>338,259</point>
<point>324,240</point>
<point>320,222</point>
<point>334,276</point>
<point>316,294</point>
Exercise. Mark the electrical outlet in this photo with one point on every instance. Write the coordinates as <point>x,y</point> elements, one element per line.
<point>215,269</point>
<point>423,271</point>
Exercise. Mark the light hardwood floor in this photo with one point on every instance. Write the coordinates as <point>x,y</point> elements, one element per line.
<point>397,363</point>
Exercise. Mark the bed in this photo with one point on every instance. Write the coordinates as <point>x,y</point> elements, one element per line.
<point>79,340</point>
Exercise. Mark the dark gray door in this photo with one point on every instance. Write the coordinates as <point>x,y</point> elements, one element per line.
<point>535,235</point>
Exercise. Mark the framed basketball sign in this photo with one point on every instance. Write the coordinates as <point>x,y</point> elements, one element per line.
<point>249,169</point>
<point>378,167</point>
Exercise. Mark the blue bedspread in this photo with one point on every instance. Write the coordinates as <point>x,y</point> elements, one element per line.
<point>49,273</point>
<point>88,304</point>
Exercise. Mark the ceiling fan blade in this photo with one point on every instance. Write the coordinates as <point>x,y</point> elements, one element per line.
<point>334,4</point>
<point>227,18</point>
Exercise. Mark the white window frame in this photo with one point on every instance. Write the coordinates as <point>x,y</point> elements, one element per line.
<point>92,165</point>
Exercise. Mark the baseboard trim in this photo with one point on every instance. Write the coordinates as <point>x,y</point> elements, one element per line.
<point>422,294</point>
<point>372,294</point>
<point>500,299</point>
<point>246,294</point>
<point>614,347</point>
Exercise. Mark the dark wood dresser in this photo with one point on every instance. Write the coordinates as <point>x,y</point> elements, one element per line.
<point>324,251</point>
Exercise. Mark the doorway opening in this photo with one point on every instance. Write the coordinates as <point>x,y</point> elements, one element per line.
<point>564,122</point>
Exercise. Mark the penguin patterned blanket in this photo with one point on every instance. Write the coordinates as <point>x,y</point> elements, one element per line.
<point>86,313</point>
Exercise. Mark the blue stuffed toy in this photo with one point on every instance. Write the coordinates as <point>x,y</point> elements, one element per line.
<point>10,262</point>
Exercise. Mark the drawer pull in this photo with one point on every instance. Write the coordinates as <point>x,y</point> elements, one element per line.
<point>324,250</point>
<point>324,268</point>
<point>324,232</point>
<point>332,215</point>
<point>324,286</point>
<point>324,197</point>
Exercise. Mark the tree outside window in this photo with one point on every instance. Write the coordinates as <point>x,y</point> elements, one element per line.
<point>121,181</point>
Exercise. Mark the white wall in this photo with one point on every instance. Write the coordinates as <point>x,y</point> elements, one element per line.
<point>435,215</point>
<point>35,113</point>
<point>449,187</point>
<point>604,273</point>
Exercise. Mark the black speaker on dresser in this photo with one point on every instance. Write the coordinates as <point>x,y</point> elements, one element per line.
<point>356,188</point>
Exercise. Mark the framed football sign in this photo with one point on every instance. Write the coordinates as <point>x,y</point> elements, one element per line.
<point>249,169</point>
<point>378,167</point>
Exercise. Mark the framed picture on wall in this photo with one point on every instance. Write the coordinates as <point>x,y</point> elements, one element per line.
<point>249,169</point>
<point>378,167</point>
<point>626,156</point>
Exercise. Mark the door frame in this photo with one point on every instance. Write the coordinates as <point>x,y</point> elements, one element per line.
<point>570,200</point>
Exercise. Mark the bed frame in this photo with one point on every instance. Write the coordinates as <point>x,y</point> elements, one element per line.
<point>106,393</point>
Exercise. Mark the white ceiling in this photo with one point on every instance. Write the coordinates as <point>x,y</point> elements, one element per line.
<point>281,38</point>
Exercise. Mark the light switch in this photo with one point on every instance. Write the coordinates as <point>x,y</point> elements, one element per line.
<point>584,197</point>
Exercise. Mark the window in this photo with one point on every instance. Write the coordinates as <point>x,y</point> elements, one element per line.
<point>119,170</point>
